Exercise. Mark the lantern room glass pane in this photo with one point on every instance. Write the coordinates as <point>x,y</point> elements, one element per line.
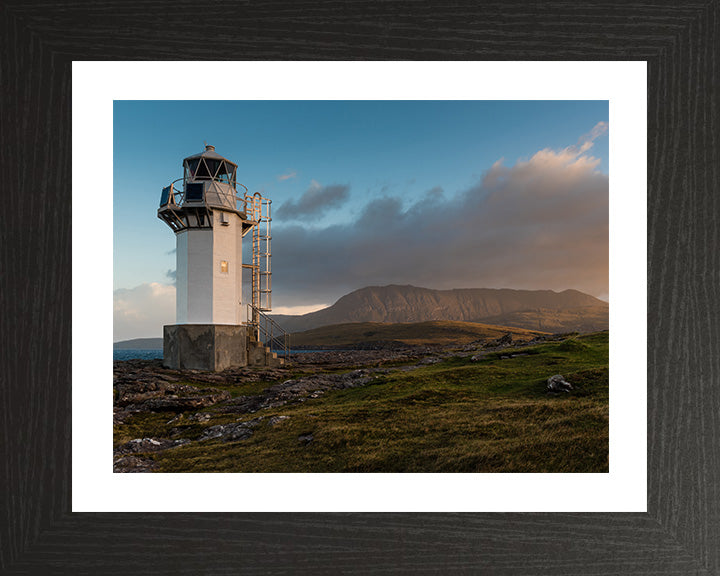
<point>192,168</point>
<point>222,174</point>
<point>202,171</point>
<point>212,166</point>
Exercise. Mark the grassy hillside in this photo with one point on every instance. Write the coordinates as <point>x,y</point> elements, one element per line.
<point>414,333</point>
<point>585,319</point>
<point>456,415</point>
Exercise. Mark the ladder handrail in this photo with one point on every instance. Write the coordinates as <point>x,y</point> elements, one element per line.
<point>268,331</point>
<point>258,210</point>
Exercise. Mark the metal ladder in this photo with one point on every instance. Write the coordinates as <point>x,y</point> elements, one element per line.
<point>257,209</point>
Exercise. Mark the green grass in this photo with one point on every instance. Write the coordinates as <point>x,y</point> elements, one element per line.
<point>453,416</point>
<point>414,333</point>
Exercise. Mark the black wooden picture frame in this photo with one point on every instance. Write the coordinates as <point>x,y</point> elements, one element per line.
<point>680,533</point>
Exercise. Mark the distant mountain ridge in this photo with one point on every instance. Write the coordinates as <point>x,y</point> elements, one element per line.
<point>543,310</point>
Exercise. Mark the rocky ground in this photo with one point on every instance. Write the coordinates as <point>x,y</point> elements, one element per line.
<point>145,387</point>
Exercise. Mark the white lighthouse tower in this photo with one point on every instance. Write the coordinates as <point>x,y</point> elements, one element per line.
<point>214,329</point>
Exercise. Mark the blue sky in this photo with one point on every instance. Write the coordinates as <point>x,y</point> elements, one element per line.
<point>363,159</point>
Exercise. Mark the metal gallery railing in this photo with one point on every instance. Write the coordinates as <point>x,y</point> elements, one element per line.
<point>233,198</point>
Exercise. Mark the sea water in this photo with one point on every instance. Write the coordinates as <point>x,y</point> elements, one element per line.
<point>138,354</point>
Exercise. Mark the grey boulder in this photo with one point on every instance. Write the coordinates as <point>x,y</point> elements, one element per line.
<point>558,383</point>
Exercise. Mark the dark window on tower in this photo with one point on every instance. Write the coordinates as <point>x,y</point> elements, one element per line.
<point>194,192</point>
<point>165,196</point>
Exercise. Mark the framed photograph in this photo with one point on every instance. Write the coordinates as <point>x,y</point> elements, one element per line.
<point>653,511</point>
<point>416,270</point>
<point>542,221</point>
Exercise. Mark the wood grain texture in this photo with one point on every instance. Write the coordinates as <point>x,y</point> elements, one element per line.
<point>681,532</point>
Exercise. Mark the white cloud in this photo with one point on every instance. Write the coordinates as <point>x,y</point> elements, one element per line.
<point>586,141</point>
<point>141,312</point>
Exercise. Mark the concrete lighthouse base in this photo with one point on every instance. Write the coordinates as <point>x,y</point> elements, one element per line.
<point>212,347</point>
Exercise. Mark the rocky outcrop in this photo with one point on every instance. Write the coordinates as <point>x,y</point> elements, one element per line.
<point>296,390</point>
<point>503,341</point>
<point>133,464</point>
<point>277,420</point>
<point>145,386</point>
<point>156,394</point>
<point>306,438</point>
<point>145,445</point>
<point>130,457</point>
<point>174,403</point>
<point>558,383</point>
<point>232,431</point>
